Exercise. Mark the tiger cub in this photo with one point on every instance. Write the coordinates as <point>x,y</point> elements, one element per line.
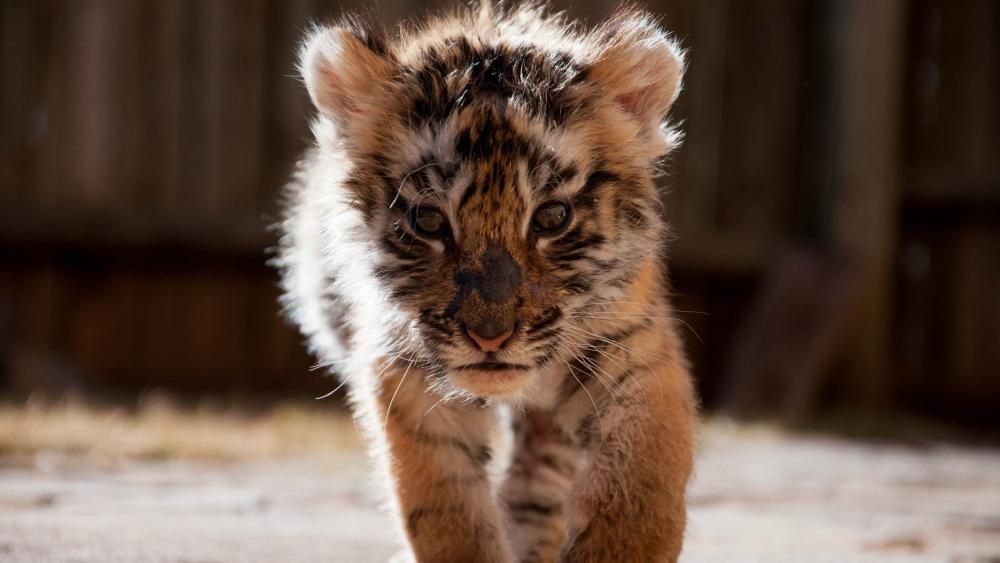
<point>475,237</point>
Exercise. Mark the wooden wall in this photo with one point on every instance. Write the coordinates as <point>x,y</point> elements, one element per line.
<point>949,261</point>
<point>144,144</point>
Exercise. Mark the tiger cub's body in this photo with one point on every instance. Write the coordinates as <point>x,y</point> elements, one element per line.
<point>476,228</point>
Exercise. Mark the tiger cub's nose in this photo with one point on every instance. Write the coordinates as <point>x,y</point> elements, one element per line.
<point>490,335</point>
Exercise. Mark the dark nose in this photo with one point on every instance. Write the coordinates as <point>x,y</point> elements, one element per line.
<point>501,276</point>
<point>490,335</point>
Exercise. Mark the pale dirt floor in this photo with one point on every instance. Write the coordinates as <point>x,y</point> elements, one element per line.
<point>759,495</point>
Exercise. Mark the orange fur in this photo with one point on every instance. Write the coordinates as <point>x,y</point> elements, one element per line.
<point>480,121</point>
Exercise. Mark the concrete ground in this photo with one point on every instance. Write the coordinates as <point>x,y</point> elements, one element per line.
<point>758,496</point>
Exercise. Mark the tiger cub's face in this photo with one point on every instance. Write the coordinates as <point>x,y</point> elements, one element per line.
<point>501,168</point>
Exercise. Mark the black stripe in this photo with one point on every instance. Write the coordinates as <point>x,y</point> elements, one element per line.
<point>470,190</point>
<point>585,430</point>
<point>628,331</point>
<point>579,284</point>
<point>549,317</point>
<point>568,238</point>
<point>544,335</point>
<point>630,212</point>
<point>628,373</point>
<point>535,508</point>
<point>405,291</point>
<point>589,356</point>
<point>586,196</point>
<point>479,455</point>
<point>435,322</point>
<point>417,514</point>
<point>495,72</point>
<point>397,272</point>
<point>393,243</point>
<point>591,241</point>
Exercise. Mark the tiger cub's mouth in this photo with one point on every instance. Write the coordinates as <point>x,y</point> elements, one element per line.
<point>491,366</point>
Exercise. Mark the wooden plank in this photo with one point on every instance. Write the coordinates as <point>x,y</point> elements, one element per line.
<point>974,311</point>
<point>18,60</point>
<point>696,199</point>
<point>866,59</point>
<point>759,136</point>
<point>955,79</point>
<point>29,232</point>
<point>160,76</point>
<point>241,113</point>
<point>286,105</point>
<point>949,315</point>
<point>90,142</point>
<point>50,167</point>
<point>206,96</point>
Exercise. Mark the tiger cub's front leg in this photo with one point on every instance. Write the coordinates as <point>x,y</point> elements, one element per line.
<point>437,455</point>
<point>637,434</point>
<point>537,485</point>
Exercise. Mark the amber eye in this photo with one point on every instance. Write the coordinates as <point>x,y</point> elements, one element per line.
<point>429,222</point>
<point>551,218</point>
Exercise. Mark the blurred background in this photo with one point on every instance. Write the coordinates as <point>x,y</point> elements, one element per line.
<point>836,266</point>
<point>836,203</point>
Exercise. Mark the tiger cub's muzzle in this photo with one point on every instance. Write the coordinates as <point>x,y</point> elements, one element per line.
<point>486,301</point>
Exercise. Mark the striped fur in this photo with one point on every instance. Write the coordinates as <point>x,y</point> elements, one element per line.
<point>484,116</point>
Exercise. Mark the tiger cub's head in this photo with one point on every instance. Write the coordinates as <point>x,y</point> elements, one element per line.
<point>500,164</point>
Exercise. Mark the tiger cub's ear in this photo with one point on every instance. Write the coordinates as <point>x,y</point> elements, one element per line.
<point>343,67</point>
<point>639,68</point>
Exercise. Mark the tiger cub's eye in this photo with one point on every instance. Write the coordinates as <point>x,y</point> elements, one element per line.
<point>551,218</point>
<point>429,222</point>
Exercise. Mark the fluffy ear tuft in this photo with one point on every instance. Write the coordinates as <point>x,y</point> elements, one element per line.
<point>639,68</point>
<point>342,66</point>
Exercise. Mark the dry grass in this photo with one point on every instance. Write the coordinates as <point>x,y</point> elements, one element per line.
<point>160,428</point>
<point>163,428</point>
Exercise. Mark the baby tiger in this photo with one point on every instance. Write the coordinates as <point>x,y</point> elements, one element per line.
<point>475,237</point>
